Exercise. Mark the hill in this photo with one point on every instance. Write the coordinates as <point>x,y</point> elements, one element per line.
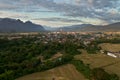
<point>13,25</point>
<point>75,27</point>
<point>66,72</point>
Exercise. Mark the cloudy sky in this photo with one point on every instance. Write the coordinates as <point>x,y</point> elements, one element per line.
<point>62,12</point>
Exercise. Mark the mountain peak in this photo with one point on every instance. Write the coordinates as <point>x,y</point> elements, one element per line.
<point>7,19</point>
<point>16,25</point>
<point>28,22</point>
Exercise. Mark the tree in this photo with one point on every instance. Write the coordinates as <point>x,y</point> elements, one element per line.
<point>8,75</point>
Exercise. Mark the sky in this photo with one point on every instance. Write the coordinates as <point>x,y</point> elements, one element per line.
<point>56,13</point>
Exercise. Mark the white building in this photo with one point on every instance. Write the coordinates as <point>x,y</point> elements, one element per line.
<point>112,54</point>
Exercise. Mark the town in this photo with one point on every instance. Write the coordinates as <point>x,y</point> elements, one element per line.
<point>42,51</point>
<point>84,38</point>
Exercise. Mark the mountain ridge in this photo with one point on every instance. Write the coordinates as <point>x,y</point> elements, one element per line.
<point>90,27</point>
<point>16,25</point>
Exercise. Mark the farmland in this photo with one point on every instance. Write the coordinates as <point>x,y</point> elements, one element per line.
<point>110,47</point>
<point>110,64</point>
<point>65,72</point>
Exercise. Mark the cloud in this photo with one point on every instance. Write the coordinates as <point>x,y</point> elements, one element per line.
<point>55,19</point>
<point>53,24</point>
<point>4,6</point>
<point>7,14</point>
<point>104,10</point>
<point>86,8</point>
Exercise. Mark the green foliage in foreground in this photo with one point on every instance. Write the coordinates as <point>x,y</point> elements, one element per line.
<point>93,74</point>
<point>81,67</point>
<point>100,74</point>
<point>8,75</point>
<point>22,56</point>
<point>12,74</point>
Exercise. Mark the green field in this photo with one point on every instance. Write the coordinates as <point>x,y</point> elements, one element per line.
<point>110,64</point>
<point>66,72</point>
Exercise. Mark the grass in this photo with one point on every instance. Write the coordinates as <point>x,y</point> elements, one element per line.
<point>65,72</point>
<point>110,64</point>
<point>69,72</point>
<point>110,47</point>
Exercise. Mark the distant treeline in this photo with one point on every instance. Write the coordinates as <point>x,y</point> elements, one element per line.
<point>114,40</point>
<point>93,47</point>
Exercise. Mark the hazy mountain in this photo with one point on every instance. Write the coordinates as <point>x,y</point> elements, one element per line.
<point>75,27</point>
<point>90,27</point>
<point>13,25</point>
<point>48,28</point>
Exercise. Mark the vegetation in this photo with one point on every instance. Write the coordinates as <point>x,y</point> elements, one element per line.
<point>103,61</point>
<point>114,40</point>
<point>84,69</point>
<point>23,56</point>
<point>100,74</point>
<point>64,72</point>
<point>93,47</point>
<point>93,74</point>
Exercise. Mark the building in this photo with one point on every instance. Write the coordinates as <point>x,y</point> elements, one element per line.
<point>114,54</point>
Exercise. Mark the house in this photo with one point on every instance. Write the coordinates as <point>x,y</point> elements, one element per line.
<point>102,51</point>
<point>114,54</point>
<point>111,54</point>
<point>86,42</point>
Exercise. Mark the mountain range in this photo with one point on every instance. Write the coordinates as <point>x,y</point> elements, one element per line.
<point>13,25</point>
<point>90,27</point>
<point>16,25</point>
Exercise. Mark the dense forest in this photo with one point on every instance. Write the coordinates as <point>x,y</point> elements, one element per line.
<point>19,57</point>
